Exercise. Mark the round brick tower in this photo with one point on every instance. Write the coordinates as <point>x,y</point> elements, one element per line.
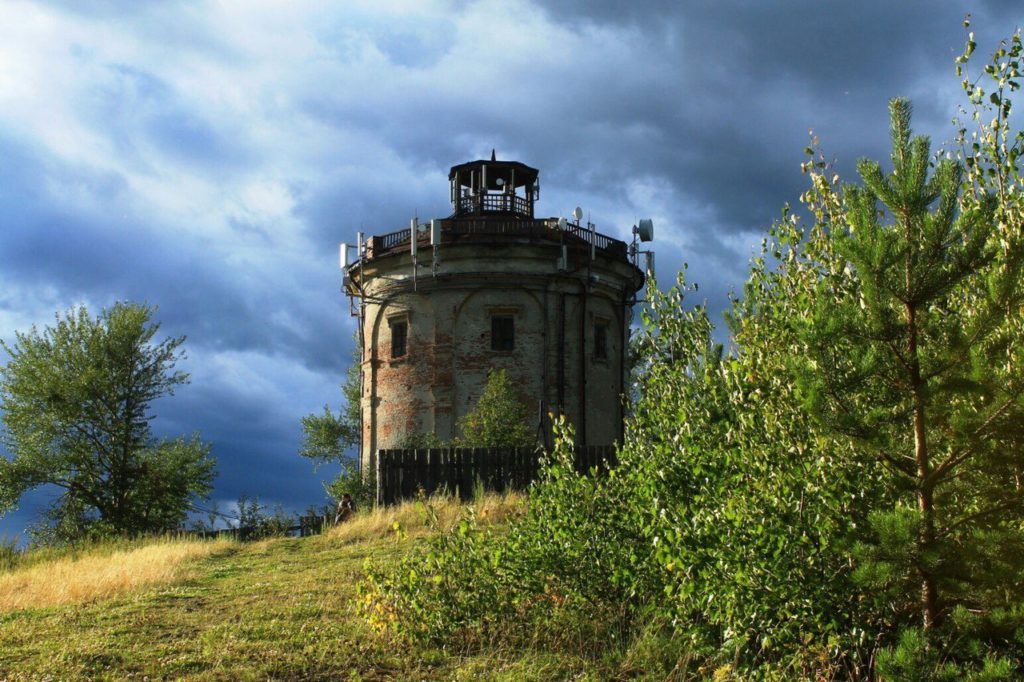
<point>491,287</point>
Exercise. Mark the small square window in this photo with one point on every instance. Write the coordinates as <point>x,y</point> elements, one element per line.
<point>503,332</point>
<point>601,341</point>
<point>399,335</point>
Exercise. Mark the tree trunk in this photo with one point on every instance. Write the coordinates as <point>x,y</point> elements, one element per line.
<point>926,541</point>
<point>925,486</point>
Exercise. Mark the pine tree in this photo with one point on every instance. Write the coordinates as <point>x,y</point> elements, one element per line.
<point>909,355</point>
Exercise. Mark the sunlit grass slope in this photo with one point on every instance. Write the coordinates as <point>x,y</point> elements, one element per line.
<point>101,574</point>
<point>282,609</point>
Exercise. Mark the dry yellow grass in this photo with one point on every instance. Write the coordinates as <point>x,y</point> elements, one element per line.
<point>413,518</point>
<point>103,574</point>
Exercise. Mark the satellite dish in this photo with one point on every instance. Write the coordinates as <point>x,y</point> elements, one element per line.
<point>562,222</point>
<point>645,230</point>
<point>499,182</point>
<point>578,213</point>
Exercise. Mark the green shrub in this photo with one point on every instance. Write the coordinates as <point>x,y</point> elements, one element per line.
<point>258,523</point>
<point>499,418</point>
<point>547,574</point>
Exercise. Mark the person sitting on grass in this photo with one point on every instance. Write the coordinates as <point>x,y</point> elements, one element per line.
<point>346,509</point>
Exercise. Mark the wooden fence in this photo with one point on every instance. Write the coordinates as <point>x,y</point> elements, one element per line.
<point>402,474</point>
<point>307,525</point>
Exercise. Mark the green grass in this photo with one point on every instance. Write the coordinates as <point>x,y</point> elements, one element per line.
<point>276,609</point>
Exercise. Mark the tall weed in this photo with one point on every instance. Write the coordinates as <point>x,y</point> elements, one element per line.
<point>9,554</point>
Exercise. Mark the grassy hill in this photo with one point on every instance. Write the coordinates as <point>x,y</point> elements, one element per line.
<point>275,609</point>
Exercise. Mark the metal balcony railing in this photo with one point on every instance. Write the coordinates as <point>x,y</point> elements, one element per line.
<point>534,230</point>
<point>494,203</point>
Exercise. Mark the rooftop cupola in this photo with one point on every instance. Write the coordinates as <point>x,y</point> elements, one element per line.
<point>482,188</point>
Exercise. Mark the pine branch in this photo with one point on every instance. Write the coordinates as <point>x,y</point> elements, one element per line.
<point>959,456</point>
<point>974,517</point>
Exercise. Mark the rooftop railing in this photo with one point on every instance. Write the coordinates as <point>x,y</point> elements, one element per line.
<point>455,230</point>
<point>494,203</point>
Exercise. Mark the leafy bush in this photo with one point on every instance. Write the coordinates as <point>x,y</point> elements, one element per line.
<point>726,520</point>
<point>473,583</point>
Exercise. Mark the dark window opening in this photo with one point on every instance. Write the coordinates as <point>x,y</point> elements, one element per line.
<point>600,341</point>
<point>399,334</point>
<point>503,332</point>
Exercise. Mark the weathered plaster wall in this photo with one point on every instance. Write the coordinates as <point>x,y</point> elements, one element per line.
<point>449,338</point>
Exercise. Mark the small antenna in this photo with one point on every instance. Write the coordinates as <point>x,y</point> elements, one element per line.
<point>413,243</point>
<point>343,259</point>
<point>435,243</point>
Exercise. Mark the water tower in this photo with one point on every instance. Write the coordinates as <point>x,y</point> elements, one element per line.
<point>441,303</point>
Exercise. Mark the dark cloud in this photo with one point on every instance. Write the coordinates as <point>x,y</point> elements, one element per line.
<point>114,255</point>
<point>254,439</point>
<point>739,84</point>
